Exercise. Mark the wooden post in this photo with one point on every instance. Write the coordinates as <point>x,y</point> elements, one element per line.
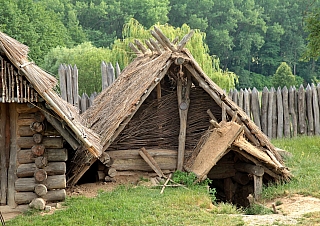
<point>75,89</point>
<point>3,157</point>
<point>246,102</point>
<point>69,84</point>
<point>274,114</point>
<point>286,117</point>
<point>104,75</point>
<point>279,113</point>
<point>309,108</point>
<point>13,155</point>
<point>183,92</point>
<point>63,82</point>
<point>258,184</point>
<point>292,111</point>
<point>110,73</point>
<point>315,105</point>
<point>264,110</point>
<point>255,107</point>
<point>270,111</point>
<point>301,110</point>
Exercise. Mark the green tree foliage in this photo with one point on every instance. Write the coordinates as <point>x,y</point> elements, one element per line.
<point>313,28</point>
<point>88,58</point>
<point>283,76</point>
<point>31,24</point>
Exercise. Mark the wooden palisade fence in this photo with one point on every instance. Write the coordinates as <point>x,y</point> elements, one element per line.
<point>278,113</point>
<point>282,112</point>
<point>68,77</point>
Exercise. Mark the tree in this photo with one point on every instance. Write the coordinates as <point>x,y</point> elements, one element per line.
<point>283,76</point>
<point>31,24</point>
<point>88,58</point>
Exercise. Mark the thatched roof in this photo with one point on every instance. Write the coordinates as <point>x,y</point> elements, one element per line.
<point>115,106</point>
<point>44,83</point>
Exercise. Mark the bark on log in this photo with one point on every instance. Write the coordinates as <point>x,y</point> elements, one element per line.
<point>25,131</point>
<point>40,175</point>
<point>310,125</point>
<point>40,189</point>
<point>286,117</point>
<point>279,113</point>
<point>37,127</point>
<point>249,168</point>
<point>315,105</point>
<point>38,149</point>
<point>53,155</point>
<point>52,182</point>
<point>51,196</point>
<point>112,172</point>
<point>264,110</point>
<point>301,110</point>
<point>41,162</point>
<point>37,138</point>
<point>48,142</point>
<point>53,168</point>
<point>292,111</point>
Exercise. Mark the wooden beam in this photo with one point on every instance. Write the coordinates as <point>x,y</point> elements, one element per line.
<point>215,148</point>
<point>13,155</point>
<point>61,129</point>
<point>3,157</point>
<point>151,162</point>
<point>184,40</point>
<point>183,92</point>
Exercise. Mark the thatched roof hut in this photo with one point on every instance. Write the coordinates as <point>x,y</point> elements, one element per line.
<point>38,130</point>
<point>164,102</point>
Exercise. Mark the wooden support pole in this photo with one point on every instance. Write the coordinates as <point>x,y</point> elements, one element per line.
<point>3,157</point>
<point>258,183</point>
<point>183,92</point>
<point>13,154</point>
<point>151,162</point>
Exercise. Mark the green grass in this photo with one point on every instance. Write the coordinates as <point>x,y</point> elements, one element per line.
<point>137,206</point>
<point>178,206</point>
<point>304,165</point>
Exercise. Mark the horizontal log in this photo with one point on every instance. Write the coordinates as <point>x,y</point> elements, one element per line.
<point>26,108</point>
<point>53,155</point>
<point>249,168</point>
<point>25,121</point>
<point>25,131</point>
<point>222,171</point>
<point>26,116</point>
<point>134,153</point>
<point>165,163</point>
<point>52,182</point>
<point>48,142</point>
<point>53,168</point>
<point>51,196</point>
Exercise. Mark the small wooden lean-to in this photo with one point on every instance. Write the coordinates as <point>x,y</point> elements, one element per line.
<point>38,130</point>
<point>164,102</point>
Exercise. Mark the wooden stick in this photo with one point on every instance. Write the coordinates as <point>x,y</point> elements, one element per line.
<point>2,79</point>
<point>135,49</point>
<point>150,46</point>
<point>183,99</point>
<point>156,36</point>
<point>151,162</point>
<point>165,39</point>
<point>12,83</point>
<point>9,83</point>
<point>140,46</point>
<point>165,183</point>
<point>184,40</point>
<point>155,45</point>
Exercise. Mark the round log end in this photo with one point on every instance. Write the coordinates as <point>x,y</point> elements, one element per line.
<point>40,189</point>
<point>41,162</point>
<point>38,149</point>
<point>40,175</point>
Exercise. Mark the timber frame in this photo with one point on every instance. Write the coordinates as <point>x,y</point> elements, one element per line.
<point>38,129</point>
<point>121,109</point>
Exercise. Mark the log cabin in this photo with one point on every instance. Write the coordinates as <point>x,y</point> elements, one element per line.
<point>38,130</point>
<point>165,103</point>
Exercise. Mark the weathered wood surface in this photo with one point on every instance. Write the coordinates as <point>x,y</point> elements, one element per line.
<point>48,142</point>
<point>53,168</point>
<point>215,147</point>
<point>53,155</point>
<point>165,163</point>
<point>3,155</point>
<point>151,162</point>
<point>40,189</point>
<point>290,113</point>
<point>27,197</point>
<point>134,153</point>
<point>52,182</point>
<point>13,154</point>
<point>221,171</point>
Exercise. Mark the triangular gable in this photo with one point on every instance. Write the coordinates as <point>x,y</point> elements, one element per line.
<point>115,106</point>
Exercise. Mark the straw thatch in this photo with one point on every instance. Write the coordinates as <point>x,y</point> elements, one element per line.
<point>44,84</point>
<point>116,117</point>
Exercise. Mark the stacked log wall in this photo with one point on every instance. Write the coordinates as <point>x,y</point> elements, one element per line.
<point>41,158</point>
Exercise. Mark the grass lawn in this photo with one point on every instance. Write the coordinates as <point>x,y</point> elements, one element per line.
<point>178,206</point>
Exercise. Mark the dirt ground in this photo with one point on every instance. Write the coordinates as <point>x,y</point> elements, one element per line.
<point>292,207</point>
